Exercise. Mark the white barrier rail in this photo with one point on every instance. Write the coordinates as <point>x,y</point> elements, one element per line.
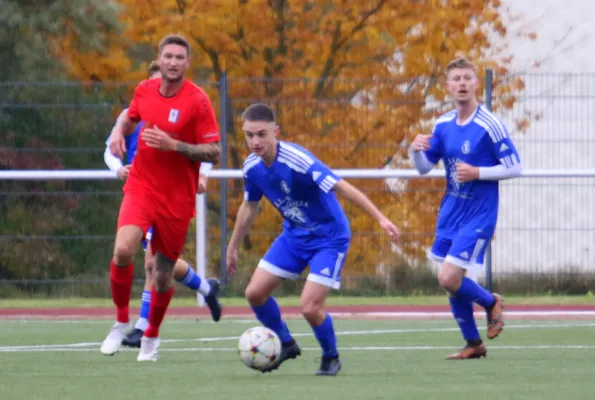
<point>201,203</point>
<point>45,175</point>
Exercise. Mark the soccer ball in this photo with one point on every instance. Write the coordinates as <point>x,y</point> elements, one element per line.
<point>259,347</point>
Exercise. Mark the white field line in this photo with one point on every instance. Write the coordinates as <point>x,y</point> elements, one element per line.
<point>87,345</point>
<point>392,314</point>
<point>430,314</point>
<point>354,348</point>
<point>102,321</point>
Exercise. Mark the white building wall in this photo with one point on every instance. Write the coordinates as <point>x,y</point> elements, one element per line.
<point>549,224</point>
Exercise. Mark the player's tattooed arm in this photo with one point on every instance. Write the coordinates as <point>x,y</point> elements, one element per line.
<point>207,152</point>
<point>156,138</point>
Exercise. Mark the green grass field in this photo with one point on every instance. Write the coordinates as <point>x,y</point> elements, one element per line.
<point>291,301</point>
<point>60,360</point>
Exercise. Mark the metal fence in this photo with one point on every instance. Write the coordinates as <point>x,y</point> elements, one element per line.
<point>56,237</point>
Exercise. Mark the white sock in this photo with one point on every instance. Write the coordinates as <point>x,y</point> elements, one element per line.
<point>204,287</point>
<point>142,324</point>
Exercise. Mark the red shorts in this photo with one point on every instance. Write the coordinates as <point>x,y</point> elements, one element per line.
<point>138,208</point>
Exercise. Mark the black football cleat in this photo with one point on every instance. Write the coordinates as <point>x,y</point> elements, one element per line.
<point>212,300</point>
<point>133,338</point>
<point>289,350</point>
<point>329,366</point>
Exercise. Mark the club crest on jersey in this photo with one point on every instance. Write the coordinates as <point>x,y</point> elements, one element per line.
<point>466,147</point>
<point>284,187</point>
<point>174,115</point>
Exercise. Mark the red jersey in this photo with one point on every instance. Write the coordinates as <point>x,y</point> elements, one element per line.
<point>187,116</point>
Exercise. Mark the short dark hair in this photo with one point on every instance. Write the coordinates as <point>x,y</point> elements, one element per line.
<point>174,39</point>
<point>153,67</point>
<point>258,112</point>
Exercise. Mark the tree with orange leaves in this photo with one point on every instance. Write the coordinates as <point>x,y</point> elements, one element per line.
<point>354,81</point>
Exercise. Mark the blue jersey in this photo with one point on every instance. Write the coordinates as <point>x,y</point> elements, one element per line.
<point>300,187</point>
<point>482,141</point>
<point>131,143</point>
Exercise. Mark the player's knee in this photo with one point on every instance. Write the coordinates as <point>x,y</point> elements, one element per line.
<point>255,296</point>
<point>449,281</point>
<point>123,254</point>
<point>312,311</point>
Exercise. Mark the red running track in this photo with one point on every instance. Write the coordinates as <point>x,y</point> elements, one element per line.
<point>107,312</point>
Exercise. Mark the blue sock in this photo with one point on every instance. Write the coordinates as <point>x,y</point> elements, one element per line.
<point>462,310</point>
<point>145,304</point>
<point>269,315</point>
<point>325,334</point>
<point>194,282</point>
<point>473,292</point>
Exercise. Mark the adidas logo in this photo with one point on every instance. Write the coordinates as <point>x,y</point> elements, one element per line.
<point>464,254</point>
<point>315,175</point>
<point>504,147</point>
<point>326,272</point>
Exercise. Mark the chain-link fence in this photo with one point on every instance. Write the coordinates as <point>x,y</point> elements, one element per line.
<point>56,237</point>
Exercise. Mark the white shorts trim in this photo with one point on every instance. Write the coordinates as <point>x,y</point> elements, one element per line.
<point>478,248</point>
<point>436,258</point>
<point>323,280</point>
<point>462,263</point>
<point>273,269</point>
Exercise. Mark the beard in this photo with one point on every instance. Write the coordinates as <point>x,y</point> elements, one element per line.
<point>168,79</point>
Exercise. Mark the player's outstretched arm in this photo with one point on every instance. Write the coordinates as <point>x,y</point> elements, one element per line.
<point>356,197</point>
<point>244,220</point>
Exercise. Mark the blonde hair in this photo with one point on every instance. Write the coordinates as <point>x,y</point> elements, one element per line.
<point>460,62</point>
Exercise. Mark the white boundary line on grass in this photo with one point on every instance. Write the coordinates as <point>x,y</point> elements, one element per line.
<point>355,314</point>
<point>353,348</point>
<point>430,314</point>
<point>87,345</point>
<point>103,321</point>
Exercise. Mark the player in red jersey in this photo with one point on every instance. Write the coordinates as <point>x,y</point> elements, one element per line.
<point>179,132</point>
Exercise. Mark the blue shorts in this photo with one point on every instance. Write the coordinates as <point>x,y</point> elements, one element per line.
<point>287,259</point>
<point>147,238</point>
<point>466,250</point>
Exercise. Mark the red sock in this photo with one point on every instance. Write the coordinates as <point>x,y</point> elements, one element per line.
<point>121,284</point>
<point>159,304</point>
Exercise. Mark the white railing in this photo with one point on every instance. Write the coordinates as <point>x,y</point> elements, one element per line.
<point>201,204</point>
<point>45,175</point>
